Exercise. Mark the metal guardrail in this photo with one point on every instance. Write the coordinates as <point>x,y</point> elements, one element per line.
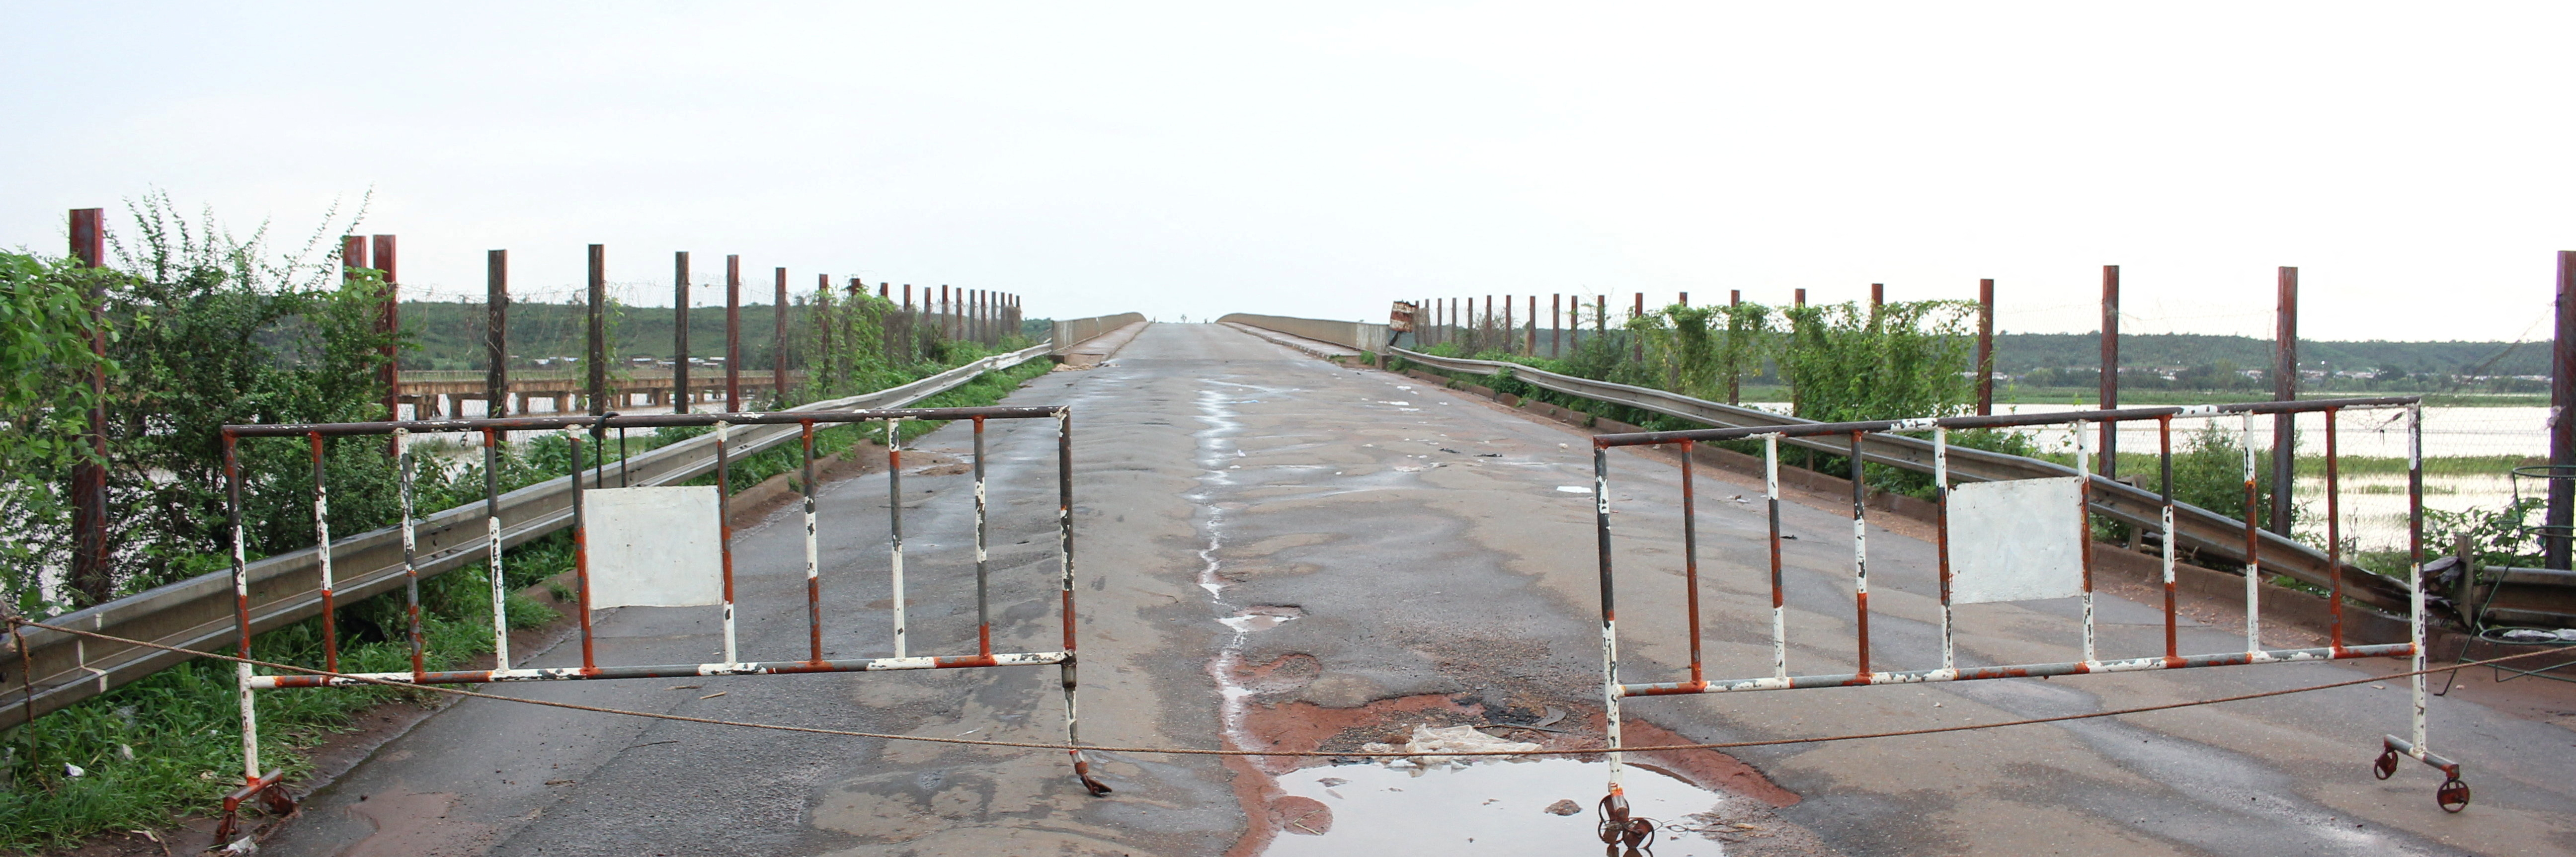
<point>2195,528</point>
<point>198,613</point>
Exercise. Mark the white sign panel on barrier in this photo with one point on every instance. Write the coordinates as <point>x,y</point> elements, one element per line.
<point>2016,540</point>
<point>654,547</point>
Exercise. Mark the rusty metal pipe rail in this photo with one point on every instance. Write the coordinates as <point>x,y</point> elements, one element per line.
<point>2201,530</point>
<point>840,665</point>
<point>616,420</point>
<point>2221,659</point>
<point>197,613</point>
<point>1649,438</point>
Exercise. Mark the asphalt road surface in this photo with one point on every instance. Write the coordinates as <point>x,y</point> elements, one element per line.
<point>1279,553</point>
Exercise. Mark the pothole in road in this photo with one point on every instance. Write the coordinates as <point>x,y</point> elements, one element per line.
<point>1490,808</point>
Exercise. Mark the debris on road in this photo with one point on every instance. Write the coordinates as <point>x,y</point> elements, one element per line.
<point>1430,741</point>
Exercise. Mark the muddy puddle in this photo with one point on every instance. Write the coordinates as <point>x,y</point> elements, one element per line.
<point>1489,808</point>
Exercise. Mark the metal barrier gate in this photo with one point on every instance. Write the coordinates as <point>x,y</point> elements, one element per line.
<point>267,788</point>
<point>1616,825</point>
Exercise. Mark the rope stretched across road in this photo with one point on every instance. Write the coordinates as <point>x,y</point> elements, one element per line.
<point>1197,751</point>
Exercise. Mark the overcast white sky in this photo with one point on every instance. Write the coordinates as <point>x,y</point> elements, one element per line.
<point>1319,160</point>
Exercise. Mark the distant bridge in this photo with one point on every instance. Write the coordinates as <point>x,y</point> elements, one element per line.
<point>439,393</point>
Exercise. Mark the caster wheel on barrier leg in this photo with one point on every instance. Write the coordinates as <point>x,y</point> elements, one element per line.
<point>2386,766</point>
<point>2453,795</point>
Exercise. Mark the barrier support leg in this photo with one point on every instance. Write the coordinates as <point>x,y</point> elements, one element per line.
<point>2452,795</point>
<point>1064,562</point>
<point>272,795</point>
<point>1613,822</point>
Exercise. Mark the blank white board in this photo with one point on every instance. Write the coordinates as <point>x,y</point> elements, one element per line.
<point>2016,540</point>
<point>654,547</point>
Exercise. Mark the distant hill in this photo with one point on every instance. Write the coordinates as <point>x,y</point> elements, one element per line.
<point>2018,353</point>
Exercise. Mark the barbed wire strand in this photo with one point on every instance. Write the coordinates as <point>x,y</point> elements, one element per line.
<point>1198,751</point>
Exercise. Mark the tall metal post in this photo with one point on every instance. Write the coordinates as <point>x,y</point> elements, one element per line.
<point>1734,371</point>
<point>2285,387</point>
<point>733,334</point>
<point>1531,348</point>
<point>598,358</point>
<point>1985,347</point>
<point>388,323</point>
<point>778,345</point>
<point>2562,430</point>
<point>1637,311</point>
<point>496,333</point>
<point>91,574</point>
<point>2110,369</point>
<point>680,395</point>
<point>1555,324</point>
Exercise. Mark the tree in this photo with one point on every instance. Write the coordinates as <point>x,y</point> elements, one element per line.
<point>214,329</point>
<point>45,358</point>
<point>1898,360</point>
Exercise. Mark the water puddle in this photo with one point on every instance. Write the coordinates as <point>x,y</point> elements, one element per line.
<point>1488,808</point>
<point>1260,617</point>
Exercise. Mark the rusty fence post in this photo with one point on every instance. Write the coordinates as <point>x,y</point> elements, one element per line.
<point>389,325</point>
<point>92,574</point>
<point>2285,387</point>
<point>680,394</point>
<point>778,346</point>
<point>496,333</point>
<point>2561,514</point>
<point>2110,369</point>
<point>1985,347</point>
<point>598,334</point>
<point>733,334</point>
